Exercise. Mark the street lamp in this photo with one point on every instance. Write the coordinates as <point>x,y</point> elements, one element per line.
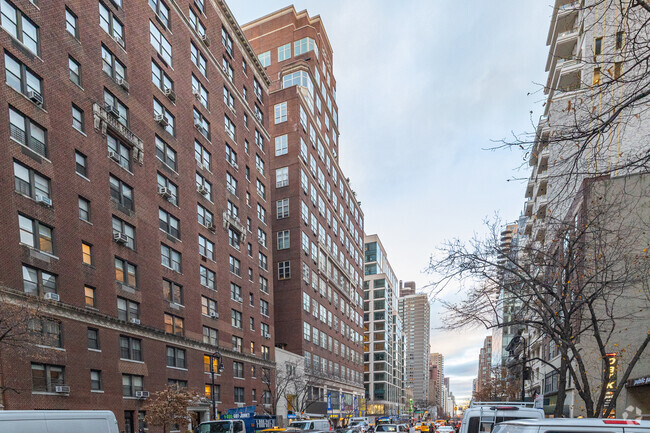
<point>216,355</point>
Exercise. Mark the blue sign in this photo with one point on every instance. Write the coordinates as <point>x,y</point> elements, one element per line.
<point>356,406</point>
<point>342,399</point>
<point>291,416</point>
<point>329,402</point>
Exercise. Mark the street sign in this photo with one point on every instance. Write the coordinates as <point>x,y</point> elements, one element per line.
<point>329,402</point>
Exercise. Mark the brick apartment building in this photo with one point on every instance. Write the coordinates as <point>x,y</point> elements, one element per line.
<point>318,222</point>
<point>141,221</point>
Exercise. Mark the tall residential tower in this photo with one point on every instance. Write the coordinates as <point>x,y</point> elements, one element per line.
<point>414,309</point>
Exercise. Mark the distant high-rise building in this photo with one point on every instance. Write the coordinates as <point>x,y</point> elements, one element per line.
<point>384,341</point>
<point>414,309</point>
<point>484,364</point>
<point>317,234</point>
<point>436,367</point>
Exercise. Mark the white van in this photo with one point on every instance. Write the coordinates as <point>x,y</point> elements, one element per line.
<point>573,425</point>
<point>309,424</point>
<point>481,417</point>
<point>57,421</point>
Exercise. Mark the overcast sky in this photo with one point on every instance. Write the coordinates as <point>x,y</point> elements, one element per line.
<point>423,86</point>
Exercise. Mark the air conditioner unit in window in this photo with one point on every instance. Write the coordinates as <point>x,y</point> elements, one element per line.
<point>119,40</point>
<point>199,126</point>
<point>234,165</point>
<point>44,200</point>
<point>123,83</point>
<point>267,336</point>
<point>35,97</point>
<point>114,156</point>
<point>201,189</point>
<point>111,110</point>
<point>164,191</point>
<point>51,297</point>
<point>135,321</point>
<point>62,389</point>
<point>142,394</point>
<point>214,315</point>
<point>169,93</point>
<point>120,237</point>
<point>206,40</point>
<point>196,93</point>
<point>161,119</point>
<point>211,227</point>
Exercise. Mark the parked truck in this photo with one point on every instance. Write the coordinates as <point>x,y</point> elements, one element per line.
<point>240,420</point>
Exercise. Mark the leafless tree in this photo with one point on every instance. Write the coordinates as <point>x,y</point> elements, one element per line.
<point>289,382</point>
<point>168,407</point>
<point>584,291</point>
<point>498,387</point>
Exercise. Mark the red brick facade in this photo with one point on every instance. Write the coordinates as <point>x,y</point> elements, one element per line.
<point>56,46</point>
<point>324,216</point>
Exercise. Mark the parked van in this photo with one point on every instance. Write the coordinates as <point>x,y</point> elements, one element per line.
<point>57,421</point>
<point>311,424</point>
<point>481,417</point>
<point>574,425</point>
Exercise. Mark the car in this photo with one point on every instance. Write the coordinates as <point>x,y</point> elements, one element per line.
<point>404,428</point>
<point>482,416</point>
<point>311,424</point>
<point>422,427</point>
<point>445,429</point>
<point>359,425</point>
<point>392,428</point>
<point>574,425</point>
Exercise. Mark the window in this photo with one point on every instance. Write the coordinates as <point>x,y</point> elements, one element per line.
<point>259,140</point>
<point>74,69</point>
<point>161,10</point>
<point>263,261</point>
<point>119,152</point>
<point>114,104</point>
<point>265,58</point>
<point>261,213</point>
<point>77,118</point>
<point>131,384</point>
<point>89,296</point>
<point>238,369</point>
<point>198,59</point>
<point>165,153</point>
<point>259,114</point>
<point>226,40</point>
<point>265,330</point>
<point>231,157</point>
<point>161,79</point>
<point>172,189</point>
<point>95,380</point>
<point>199,91</point>
<point>239,395</point>
<point>235,319</point>
<point>170,258</point>
<point>227,69</point>
<point>47,331</point>
<point>229,127</point>
<point>284,52</point>
<point>282,208</point>
<point>203,187</point>
<point>161,112</point>
<point>37,282</point>
<point>264,307</point>
<point>235,266</point>
<point>282,177</point>
<point>111,25</point>
<point>160,43</point>
<point>169,224</point>
<point>26,132</point>
<point>84,209</point>
<point>112,66</point>
<point>618,69</point>
<point>121,193</point>
<point>175,357</point>
<point>283,239</point>
<point>201,155</point>
<point>284,270</point>
<point>130,348</point>
<point>172,292</point>
<point>125,272</point>
<point>231,184</point>
<point>281,144</point>
<point>266,354</point>
<point>35,234</point>
<point>598,46</point>
<point>208,278</point>
<point>596,78</point>
<point>93,339</point>
<point>86,253</point>
<point>205,217</point>
<point>127,230</point>
<point>620,40</point>
<point>237,344</point>
<point>71,23</point>
<point>261,189</point>
<point>206,247</point>
<point>21,78</point>
<point>18,25</point>
<point>216,391</point>
<point>211,336</point>
<point>235,292</point>
<point>264,285</point>
<point>174,325</point>
<point>45,377</point>
<point>208,306</point>
<point>127,310</point>
<point>201,123</point>
<point>280,112</point>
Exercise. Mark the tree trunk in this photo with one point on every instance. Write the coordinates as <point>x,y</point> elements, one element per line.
<point>561,386</point>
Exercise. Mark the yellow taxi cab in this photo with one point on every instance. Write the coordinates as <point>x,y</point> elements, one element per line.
<point>422,427</point>
<point>273,429</point>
